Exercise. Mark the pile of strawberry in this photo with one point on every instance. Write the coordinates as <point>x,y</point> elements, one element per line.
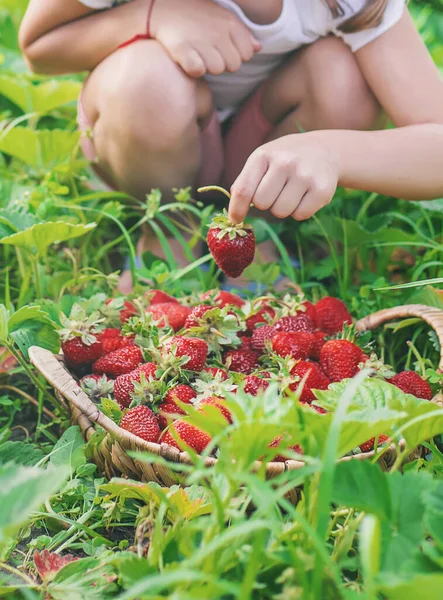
<point>156,354</point>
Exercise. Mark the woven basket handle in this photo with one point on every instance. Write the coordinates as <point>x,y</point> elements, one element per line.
<point>432,316</point>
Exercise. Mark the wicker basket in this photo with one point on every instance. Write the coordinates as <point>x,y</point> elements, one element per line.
<point>111,455</point>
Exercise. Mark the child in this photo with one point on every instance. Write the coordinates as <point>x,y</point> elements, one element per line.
<point>221,89</point>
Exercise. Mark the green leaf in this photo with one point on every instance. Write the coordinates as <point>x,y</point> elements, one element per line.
<point>38,238</point>
<point>3,322</point>
<point>20,453</point>
<point>36,333</point>
<point>41,149</point>
<point>69,450</point>
<point>28,313</point>
<point>22,490</point>
<point>426,586</point>
<point>362,485</point>
<point>42,98</point>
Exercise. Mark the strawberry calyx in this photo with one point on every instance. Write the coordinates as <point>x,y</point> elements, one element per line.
<point>213,385</point>
<point>80,325</point>
<point>226,227</point>
<point>377,367</point>
<point>218,327</point>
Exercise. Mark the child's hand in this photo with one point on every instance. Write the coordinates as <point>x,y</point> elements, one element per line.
<point>201,36</point>
<point>295,176</point>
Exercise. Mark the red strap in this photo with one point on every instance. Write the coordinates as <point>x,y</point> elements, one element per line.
<point>142,36</point>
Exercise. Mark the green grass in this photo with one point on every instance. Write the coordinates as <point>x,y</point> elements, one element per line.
<point>357,532</point>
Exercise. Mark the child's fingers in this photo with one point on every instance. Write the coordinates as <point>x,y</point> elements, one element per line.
<point>269,189</point>
<point>189,59</point>
<point>231,56</point>
<point>311,203</point>
<point>245,186</point>
<point>245,43</point>
<point>214,61</point>
<point>289,199</point>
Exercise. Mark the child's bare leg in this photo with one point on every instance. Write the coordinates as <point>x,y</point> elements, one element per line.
<point>145,114</point>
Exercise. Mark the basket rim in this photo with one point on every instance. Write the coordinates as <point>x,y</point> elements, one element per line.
<point>53,368</point>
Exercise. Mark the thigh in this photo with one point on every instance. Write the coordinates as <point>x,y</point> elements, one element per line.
<point>322,78</point>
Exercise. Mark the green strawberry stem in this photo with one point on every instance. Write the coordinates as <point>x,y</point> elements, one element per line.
<point>214,188</point>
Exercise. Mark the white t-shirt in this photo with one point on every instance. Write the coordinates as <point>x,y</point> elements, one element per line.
<point>300,22</point>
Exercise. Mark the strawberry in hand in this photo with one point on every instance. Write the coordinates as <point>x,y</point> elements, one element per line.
<point>232,245</point>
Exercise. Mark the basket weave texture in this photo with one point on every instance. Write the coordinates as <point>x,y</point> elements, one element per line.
<point>111,455</point>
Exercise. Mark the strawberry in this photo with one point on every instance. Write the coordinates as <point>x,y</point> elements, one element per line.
<point>295,344</point>
<point>241,361</point>
<point>310,312</point>
<point>263,315</point>
<point>340,359</point>
<point>332,314</point>
<point>167,412</point>
<point>315,380</point>
<point>97,386</point>
<point>299,322</point>
<point>123,360</point>
<point>281,458</point>
<point>128,311</point>
<point>112,339</point>
<point>223,298</point>
<point>261,336</point>
<point>369,445</point>
<point>319,342</point>
<point>245,343</point>
<point>216,372</point>
<point>219,404</point>
<point>194,348</point>
<point>169,313</point>
<point>254,384</point>
<point>81,354</point>
<point>232,246</point>
<point>189,434</point>
<point>196,313</point>
<point>141,421</point>
<point>411,383</point>
<point>124,384</point>
<point>159,297</point>
<point>318,409</point>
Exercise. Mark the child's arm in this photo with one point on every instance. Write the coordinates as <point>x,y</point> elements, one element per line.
<point>404,162</point>
<point>62,36</point>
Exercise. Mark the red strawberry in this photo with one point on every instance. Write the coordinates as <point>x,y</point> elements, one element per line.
<point>316,379</point>
<point>411,383</point>
<point>124,384</point>
<point>169,313</point>
<point>159,297</point>
<point>219,404</point>
<point>232,246</point>
<point>97,386</point>
<point>318,409</point>
<point>190,435</point>
<point>299,322</point>
<point>319,342</point>
<point>310,311</point>
<point>194,348</point>
<point>224,298</point>
<point>340,359</point>
<point>80,354</point>
<point>216,372</point>
<point>332,314</point>
<point>261,336</point>
<point>112,339</point>
<point>296,344</point>
<point>141,421</point>
<point>245,343</point>
<point>197,313</point>
<point>280,457</point>
<point>128,311</point>
<point>167,412</point>
<point>119,362</point>
<point>254,384</point>
<point>264,315</point>
<point>183,393</point>
<point>369,445</point>
<point>241,361</point>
